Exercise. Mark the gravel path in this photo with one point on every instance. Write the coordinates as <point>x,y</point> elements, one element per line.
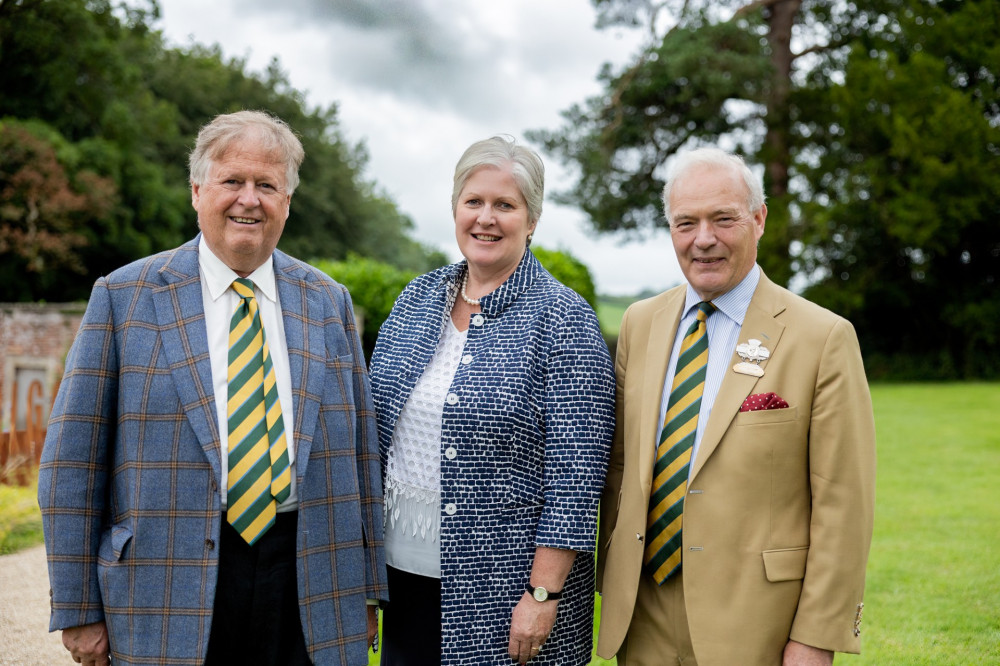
<point>24,612</point>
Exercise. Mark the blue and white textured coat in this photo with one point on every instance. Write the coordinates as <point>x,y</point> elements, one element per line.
<point>531,417</point>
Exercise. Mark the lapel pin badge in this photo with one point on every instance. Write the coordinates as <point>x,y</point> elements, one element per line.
<point>752,353</point>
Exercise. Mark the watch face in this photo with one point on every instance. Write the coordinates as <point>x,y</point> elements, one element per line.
<point>541,594</point>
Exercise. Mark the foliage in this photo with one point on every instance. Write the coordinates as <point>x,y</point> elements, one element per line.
<point>879,135</point>
<point>20,517</point>
<point>122,110</point>
<point>568,270</point>
<point>904,197</point>
<point>46,206</point>
<point>374,287</point>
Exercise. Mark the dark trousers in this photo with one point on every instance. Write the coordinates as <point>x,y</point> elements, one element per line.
<point>411,621</point>
<point>255,619</point>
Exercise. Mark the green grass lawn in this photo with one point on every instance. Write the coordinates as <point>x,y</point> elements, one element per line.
<point>20,519</point>
<point>933,587</point>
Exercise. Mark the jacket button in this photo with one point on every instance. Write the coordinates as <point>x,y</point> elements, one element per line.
<point>450,453</point>
<point>467,359</point>
<point>477,320</point>
<point>452,399</point>
<point>209,544</point>
<point>450,509</point>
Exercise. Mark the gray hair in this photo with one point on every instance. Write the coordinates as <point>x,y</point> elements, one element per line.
<point>714,157</point>
<point>271,134</point>
<point>502,152</point>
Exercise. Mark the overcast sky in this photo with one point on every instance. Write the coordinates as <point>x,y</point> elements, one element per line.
<point>419,80</point>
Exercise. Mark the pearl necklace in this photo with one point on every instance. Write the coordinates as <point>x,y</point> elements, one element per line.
<point>465,297</point>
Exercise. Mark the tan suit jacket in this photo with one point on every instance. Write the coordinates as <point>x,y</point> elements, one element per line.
<point>779,511</point>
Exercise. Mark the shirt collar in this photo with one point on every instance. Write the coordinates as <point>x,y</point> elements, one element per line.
<point>219,277</point>
<point>733,303</point>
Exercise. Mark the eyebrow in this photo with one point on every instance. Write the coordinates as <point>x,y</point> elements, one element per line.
<point>731,212</point>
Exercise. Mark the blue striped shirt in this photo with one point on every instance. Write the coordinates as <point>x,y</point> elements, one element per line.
<point>723,335</point>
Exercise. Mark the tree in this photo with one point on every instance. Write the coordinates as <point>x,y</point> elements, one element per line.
<point>99,75</point>
<point>374,288</point>
<point>876,125</point>
<point>570,271</point>
<point>44,202</point>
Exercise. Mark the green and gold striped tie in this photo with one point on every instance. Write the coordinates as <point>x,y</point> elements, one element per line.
<point>673,454</point>
<point>259,474</point>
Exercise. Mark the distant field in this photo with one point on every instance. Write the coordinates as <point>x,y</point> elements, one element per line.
<point>610,310</point>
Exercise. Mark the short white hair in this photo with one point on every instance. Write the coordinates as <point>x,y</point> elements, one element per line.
<point>715,157</point>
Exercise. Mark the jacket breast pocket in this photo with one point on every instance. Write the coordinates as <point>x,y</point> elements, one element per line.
<point>339,380</point>
<point>766,416</point>
<point>785,564</point>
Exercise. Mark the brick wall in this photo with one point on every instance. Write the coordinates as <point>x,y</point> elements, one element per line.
<point>34,340</point>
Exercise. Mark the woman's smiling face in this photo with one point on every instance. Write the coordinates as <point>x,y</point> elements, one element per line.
<point>492,222</point>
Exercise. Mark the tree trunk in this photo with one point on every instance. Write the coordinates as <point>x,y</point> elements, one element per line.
<point>780,16</point>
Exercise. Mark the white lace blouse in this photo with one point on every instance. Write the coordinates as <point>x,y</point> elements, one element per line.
<point>413,470</point>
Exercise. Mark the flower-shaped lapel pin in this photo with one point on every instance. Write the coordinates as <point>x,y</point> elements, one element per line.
<point>752,353</point>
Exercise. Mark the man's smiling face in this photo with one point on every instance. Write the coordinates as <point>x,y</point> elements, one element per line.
<point>713,230</point>
<point>242,206</point>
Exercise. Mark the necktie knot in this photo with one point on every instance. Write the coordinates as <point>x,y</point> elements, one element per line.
<point>243,287</point>
<point>705,308</point>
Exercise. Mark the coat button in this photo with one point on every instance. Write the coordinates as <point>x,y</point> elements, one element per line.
<point>209,544</point>
<point>452,399</point>
<point>477,320</point>
<point>467,359</point>
<point>450,453</point>
<point>450,509</point>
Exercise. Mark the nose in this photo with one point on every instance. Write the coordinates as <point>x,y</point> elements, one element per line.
<point>485,218</point>
<point>706,234</point>
<point>248,195</point>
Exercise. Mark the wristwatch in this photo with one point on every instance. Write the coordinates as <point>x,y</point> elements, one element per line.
<point>540,593</point>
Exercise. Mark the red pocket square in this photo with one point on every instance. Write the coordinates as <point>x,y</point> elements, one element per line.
<point>759,401</point>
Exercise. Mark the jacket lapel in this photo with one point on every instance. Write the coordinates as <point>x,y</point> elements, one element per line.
<point>180,314</point>
<point>759,323</point>
<point>662,330</point>
<point>303,313</point>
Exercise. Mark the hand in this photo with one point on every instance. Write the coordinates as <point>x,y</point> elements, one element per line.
<point>88,644</point>
<point>530,625</point>
<point>797,654</point>
<point>372,624</point>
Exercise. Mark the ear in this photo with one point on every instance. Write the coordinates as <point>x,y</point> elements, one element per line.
<point>758,221</point>
<point>195,195</point>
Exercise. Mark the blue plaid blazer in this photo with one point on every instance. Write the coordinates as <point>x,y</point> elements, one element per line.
<point>128,483</point>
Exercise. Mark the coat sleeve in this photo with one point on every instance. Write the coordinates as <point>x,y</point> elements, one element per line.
<point>842,482</point>
<point>368,466</point>
<point>74,472</point>
<point>578,409</point>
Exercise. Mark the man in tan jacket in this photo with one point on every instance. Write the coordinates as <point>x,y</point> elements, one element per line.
<point>737,515</point>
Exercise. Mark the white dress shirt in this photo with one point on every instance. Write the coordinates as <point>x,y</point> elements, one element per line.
<point>723,335</point>
<point>220,302</point>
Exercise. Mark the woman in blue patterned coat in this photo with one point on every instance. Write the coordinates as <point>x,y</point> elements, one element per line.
<point>494,392</point>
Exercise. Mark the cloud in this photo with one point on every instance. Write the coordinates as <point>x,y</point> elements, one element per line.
<point>440,59</point>
<point>419,80</point>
